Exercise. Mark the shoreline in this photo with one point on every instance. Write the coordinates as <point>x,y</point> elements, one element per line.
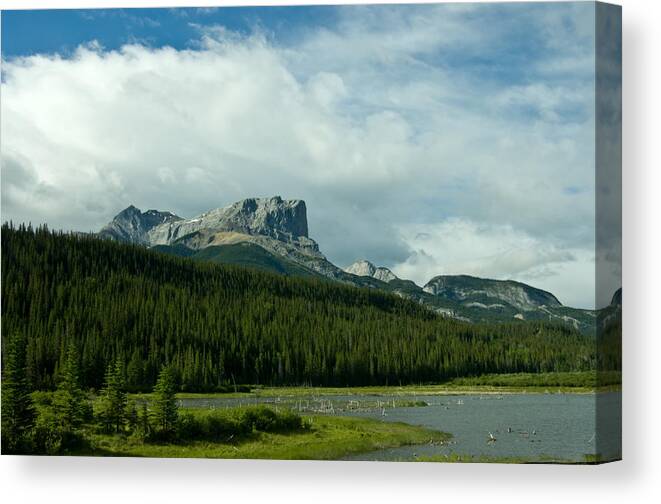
<point>330,438</point>
<point>428,390</point>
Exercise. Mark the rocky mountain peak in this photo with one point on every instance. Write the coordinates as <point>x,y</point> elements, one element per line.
<point>267,216</point>
<point>283,220</point>
<point>366,268</point>
<point>132,225</point>
<point>361,268</point>
<point>128,211</point>
<point>275,218</point>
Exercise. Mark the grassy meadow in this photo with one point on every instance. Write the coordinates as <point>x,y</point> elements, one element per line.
<point>317,438</point>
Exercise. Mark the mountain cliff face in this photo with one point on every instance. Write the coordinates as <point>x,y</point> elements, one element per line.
<point>488,293</point>
<point>366,268</point>
<point>284,220</point>
<point>132,226</point>
<point>278,226</point>
<point>269,217</point>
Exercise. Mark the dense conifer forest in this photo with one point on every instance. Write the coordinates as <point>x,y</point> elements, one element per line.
<point>218,326</point>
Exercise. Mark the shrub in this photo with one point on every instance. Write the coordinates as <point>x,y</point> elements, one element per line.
<point>262,418</point>
<point>51,437</point>
<point>189,427</point>
<point>224,425</point>
<point>220,426</point>
<point>42,398</point>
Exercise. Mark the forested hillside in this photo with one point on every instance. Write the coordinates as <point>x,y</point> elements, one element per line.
<point>220,325</point>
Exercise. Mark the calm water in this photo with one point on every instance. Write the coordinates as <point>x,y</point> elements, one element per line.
<point>532,426</point>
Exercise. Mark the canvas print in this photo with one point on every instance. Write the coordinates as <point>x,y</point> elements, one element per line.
<point>362,232</point>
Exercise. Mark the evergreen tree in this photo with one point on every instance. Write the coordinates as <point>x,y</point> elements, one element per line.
<point>113,399</point>
<point>69,399</point>
<point>143,428</point>
<point>18,413</point>
<point>132,415</point>
<point>219,326</point>
<point>164,407</point>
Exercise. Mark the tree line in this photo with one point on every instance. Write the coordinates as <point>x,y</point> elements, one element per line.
<point>66,420</point>
<point>54,423</point>
<point>218,326</point>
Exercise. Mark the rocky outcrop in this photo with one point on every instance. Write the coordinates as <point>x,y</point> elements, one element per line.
<point>283,220</point>
<point>277,225</point>
<point>366,268</point>
<point>482,290</point>
<point>132,225</point>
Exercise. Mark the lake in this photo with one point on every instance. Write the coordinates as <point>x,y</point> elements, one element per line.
<point>534,427</point>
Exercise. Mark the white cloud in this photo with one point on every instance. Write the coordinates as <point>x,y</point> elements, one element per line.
<point>361,120</point>
<point>460,246</point>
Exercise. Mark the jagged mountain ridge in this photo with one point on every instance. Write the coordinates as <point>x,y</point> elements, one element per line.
<point>284,220</point>
<point>272,234</point>
<point>133,226</point>
<point>278,226</point>
<point>271,217</point>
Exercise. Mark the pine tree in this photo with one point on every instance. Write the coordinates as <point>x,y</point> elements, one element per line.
<point>131,415</point>
<point>143,427</point>
<point>113,400</point>
<point>164,408</point>
<point>18,413</point>
<point>69,399</point>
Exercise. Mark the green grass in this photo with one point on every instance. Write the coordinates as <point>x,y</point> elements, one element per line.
<point>569,382</point>
<point>324,438</point>
<point>578,379</point>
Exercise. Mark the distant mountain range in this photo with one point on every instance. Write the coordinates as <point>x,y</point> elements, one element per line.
<point>272,234</point>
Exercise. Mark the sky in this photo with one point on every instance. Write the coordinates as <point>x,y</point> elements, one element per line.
<point>430,139</point>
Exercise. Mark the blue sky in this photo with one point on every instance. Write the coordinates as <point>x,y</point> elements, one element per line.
<point>62,31</point>
<point>432,138</point>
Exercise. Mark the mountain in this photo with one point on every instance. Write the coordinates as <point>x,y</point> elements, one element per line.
<point>617,298</point>
<point>609,318</point>
<point>366,268</point>
<point>476,299</point>
<point>271,234</point>
<point>283,220</point>
<point>132,226</point>
<point>271,217</point>
<point>486,293</point>
<point>276,229</point>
